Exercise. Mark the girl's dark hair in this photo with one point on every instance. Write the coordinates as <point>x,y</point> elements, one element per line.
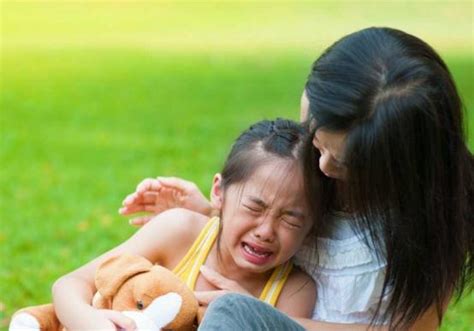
<point>409,171</point>
<point>261,142</point>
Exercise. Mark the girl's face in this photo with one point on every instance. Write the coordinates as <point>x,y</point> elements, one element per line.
<point>330,146</point>
<point>264,220</point>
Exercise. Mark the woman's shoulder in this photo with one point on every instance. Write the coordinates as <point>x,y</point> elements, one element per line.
<point>298,295</point>
<point>349,272</point>
<point>343,251</point>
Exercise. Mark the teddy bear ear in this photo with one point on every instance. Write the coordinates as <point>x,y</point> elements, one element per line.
<point>113,272</point>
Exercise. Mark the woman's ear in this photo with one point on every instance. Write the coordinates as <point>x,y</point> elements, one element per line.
<point>217,192</point>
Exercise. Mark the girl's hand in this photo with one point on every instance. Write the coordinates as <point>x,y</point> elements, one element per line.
<point>100,319</point>
<point>119,320</point>
<point>163,193</point>
<point>225,285</point>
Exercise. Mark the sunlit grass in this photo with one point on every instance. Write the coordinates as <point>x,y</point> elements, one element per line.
<point>96,97</point>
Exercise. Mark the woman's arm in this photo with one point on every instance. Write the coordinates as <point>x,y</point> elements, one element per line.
<point>72,293</point>
<point>309,324</point>
<point>237,312</point>
<point>427,322</point>
<point>288,305</point>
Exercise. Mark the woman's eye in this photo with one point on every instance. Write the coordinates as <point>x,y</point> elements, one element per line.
<point>341,165</point>
<point>337,164</point>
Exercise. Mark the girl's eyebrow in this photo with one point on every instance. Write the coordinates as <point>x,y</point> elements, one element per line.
<point>294,213</point>
<point>258,201</point>
<point>290,212</point>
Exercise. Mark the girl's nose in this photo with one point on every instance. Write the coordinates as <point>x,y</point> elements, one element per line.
<point>265,231</point>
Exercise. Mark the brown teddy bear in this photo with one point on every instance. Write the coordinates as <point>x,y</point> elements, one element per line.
<point>151,295</point>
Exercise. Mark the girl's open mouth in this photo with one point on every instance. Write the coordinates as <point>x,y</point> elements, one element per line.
<point>256,255</point>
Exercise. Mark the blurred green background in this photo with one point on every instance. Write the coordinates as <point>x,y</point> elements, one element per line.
<point>97,95</point>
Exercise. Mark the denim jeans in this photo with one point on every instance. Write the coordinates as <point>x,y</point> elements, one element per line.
<point>240,312</point>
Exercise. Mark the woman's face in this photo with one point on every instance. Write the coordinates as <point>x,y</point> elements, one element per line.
<point>330,145</point>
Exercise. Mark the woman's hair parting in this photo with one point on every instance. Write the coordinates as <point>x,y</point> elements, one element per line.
<point>409,171</point>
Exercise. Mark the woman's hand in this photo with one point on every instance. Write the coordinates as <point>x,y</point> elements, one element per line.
<point>224,285</point>
<point>157,195</point>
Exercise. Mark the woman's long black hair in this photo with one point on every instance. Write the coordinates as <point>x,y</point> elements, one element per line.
<point>409,171</point>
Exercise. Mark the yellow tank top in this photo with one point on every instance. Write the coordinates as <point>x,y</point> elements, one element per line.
<point>188,268</point>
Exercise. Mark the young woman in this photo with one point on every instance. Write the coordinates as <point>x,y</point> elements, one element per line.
<point>263,220</point>
<point>389,153</point>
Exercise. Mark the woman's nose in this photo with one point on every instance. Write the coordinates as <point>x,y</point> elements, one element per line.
<point>324,163</point>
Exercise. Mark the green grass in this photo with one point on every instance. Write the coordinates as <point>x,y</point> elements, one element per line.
<point>93,99</point>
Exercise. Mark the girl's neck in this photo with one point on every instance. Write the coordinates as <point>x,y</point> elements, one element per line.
<point>224,264</point>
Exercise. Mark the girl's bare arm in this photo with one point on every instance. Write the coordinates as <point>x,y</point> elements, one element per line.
<point>72,293</point>
<point>298,297</point>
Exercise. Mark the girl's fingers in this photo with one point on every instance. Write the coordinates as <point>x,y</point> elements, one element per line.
<point>206,297</point>
<point>120,320</point>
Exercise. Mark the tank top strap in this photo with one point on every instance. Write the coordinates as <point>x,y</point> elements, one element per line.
<point>275,283</point>
<point>188,268</point>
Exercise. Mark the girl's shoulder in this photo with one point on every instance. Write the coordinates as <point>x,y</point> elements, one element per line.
<point>179,221</point>
<point>298,295</point>
<point>173,232</point>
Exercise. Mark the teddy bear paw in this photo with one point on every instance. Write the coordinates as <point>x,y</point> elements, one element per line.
<point>24,321</point>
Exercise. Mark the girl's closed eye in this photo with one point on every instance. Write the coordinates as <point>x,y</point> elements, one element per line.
<point>255,209</point>
<point>292,222</point>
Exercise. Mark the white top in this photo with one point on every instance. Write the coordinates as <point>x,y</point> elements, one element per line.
<point>349,276</point>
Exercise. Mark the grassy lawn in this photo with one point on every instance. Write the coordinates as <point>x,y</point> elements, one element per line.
<point>95,98</point>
